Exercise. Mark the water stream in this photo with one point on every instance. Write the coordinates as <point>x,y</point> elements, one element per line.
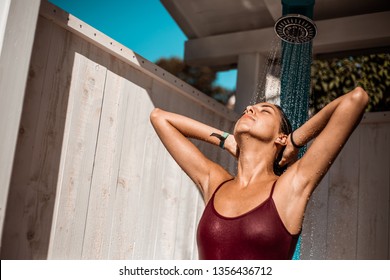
<point>295,90</point>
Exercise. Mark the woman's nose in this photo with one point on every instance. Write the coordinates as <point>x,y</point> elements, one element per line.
<point>249,109</point>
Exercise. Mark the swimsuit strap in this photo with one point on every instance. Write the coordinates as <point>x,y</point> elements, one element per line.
<point>272,189</point>
<point>220,185</point>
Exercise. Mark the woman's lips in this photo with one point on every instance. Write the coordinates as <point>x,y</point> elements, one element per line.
<point>248,116</point>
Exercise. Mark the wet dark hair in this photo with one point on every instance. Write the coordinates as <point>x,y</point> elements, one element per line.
<point>286,128</point>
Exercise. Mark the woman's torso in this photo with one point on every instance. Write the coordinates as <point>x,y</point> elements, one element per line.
<point>256,234</point>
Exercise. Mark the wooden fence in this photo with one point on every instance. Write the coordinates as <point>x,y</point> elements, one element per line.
<point>348,216</point>
<point>91,180</point>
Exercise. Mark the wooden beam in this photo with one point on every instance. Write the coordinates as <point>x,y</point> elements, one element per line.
<point>250,66</point>
<point>224,49</point>
<point>334,35</point>
<point>274,8</point>
<point>181,19</point>
<point>353,33</point>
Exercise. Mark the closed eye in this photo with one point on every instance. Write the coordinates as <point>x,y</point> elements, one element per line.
<point>267,108</point>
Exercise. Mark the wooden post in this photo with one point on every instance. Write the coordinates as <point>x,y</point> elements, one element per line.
<point>17,31</point>
<point>250,67</point>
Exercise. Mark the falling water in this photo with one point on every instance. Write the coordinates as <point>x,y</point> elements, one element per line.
<point>295,89</point>
<point>268,86</point>
<point>295,81</point>
<point>291,68</point>
<point>290,63</point>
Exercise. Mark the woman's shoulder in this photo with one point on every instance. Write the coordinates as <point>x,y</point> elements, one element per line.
<point>216,179</point>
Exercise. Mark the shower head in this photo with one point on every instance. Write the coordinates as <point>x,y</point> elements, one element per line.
<point>296,29</point>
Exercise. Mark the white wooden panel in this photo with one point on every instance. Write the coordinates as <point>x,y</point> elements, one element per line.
<point>166,191</point>
<point>17,43</point>
<point>187,220</point>
<point>373,227</point>
<point>168,210</point>
<point>36,167</point>
<point>190,196</point>
<point>146,146</point>
<point>78,151</point>
<point>175,210</point>
<point>351,226</point>
<point>4,9</point>
<point>126,208</point>
<point>343,202</point>
<point>15,227</point>
<point>167,238</point>
<point>97,234</point>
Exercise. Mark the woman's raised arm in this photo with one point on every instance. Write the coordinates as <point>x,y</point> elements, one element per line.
<point>174,131</point>
<point>331,128</point>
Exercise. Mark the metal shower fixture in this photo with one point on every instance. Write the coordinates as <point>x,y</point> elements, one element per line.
<point>295,29</point>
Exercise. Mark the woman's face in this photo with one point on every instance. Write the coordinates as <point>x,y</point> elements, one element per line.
<point>261,121</point>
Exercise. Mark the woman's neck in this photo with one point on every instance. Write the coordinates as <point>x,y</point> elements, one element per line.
<point>255,162</point>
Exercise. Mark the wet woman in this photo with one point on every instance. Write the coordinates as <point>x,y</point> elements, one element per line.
<point>258,213</point>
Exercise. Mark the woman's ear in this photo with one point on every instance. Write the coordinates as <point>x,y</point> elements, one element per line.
<point>282,139</point>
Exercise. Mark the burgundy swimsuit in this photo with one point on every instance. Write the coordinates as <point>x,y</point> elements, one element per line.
<point>258,234</point>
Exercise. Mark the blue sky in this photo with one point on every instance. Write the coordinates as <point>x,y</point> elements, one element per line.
<point>144,26</point>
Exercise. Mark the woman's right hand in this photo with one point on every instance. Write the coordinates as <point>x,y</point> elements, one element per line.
<point>290,153</point>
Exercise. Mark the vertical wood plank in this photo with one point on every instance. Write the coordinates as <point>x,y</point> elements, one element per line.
<point>343,202</point>
<point>4,10</point>
<point>159,173</point>
<point>128,183</point>
<point>44,116</point>
<point>178,203</point>
<point>105,172</point>
<point>169,191</point>
<point>142,139</point>
<point>187,211</point>
<point>187,220</point>
<point>15,244</point>
<point>373,235</point>
<point>15,52</point>
<point>78,152</point>
<point>124,216</point>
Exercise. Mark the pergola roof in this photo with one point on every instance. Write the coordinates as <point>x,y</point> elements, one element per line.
<point>219,30</point>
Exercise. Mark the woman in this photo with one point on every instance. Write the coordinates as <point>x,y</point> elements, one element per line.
<point>258,213</point>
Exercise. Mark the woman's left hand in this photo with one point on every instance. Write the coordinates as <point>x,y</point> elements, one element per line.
<point>290,153</point>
